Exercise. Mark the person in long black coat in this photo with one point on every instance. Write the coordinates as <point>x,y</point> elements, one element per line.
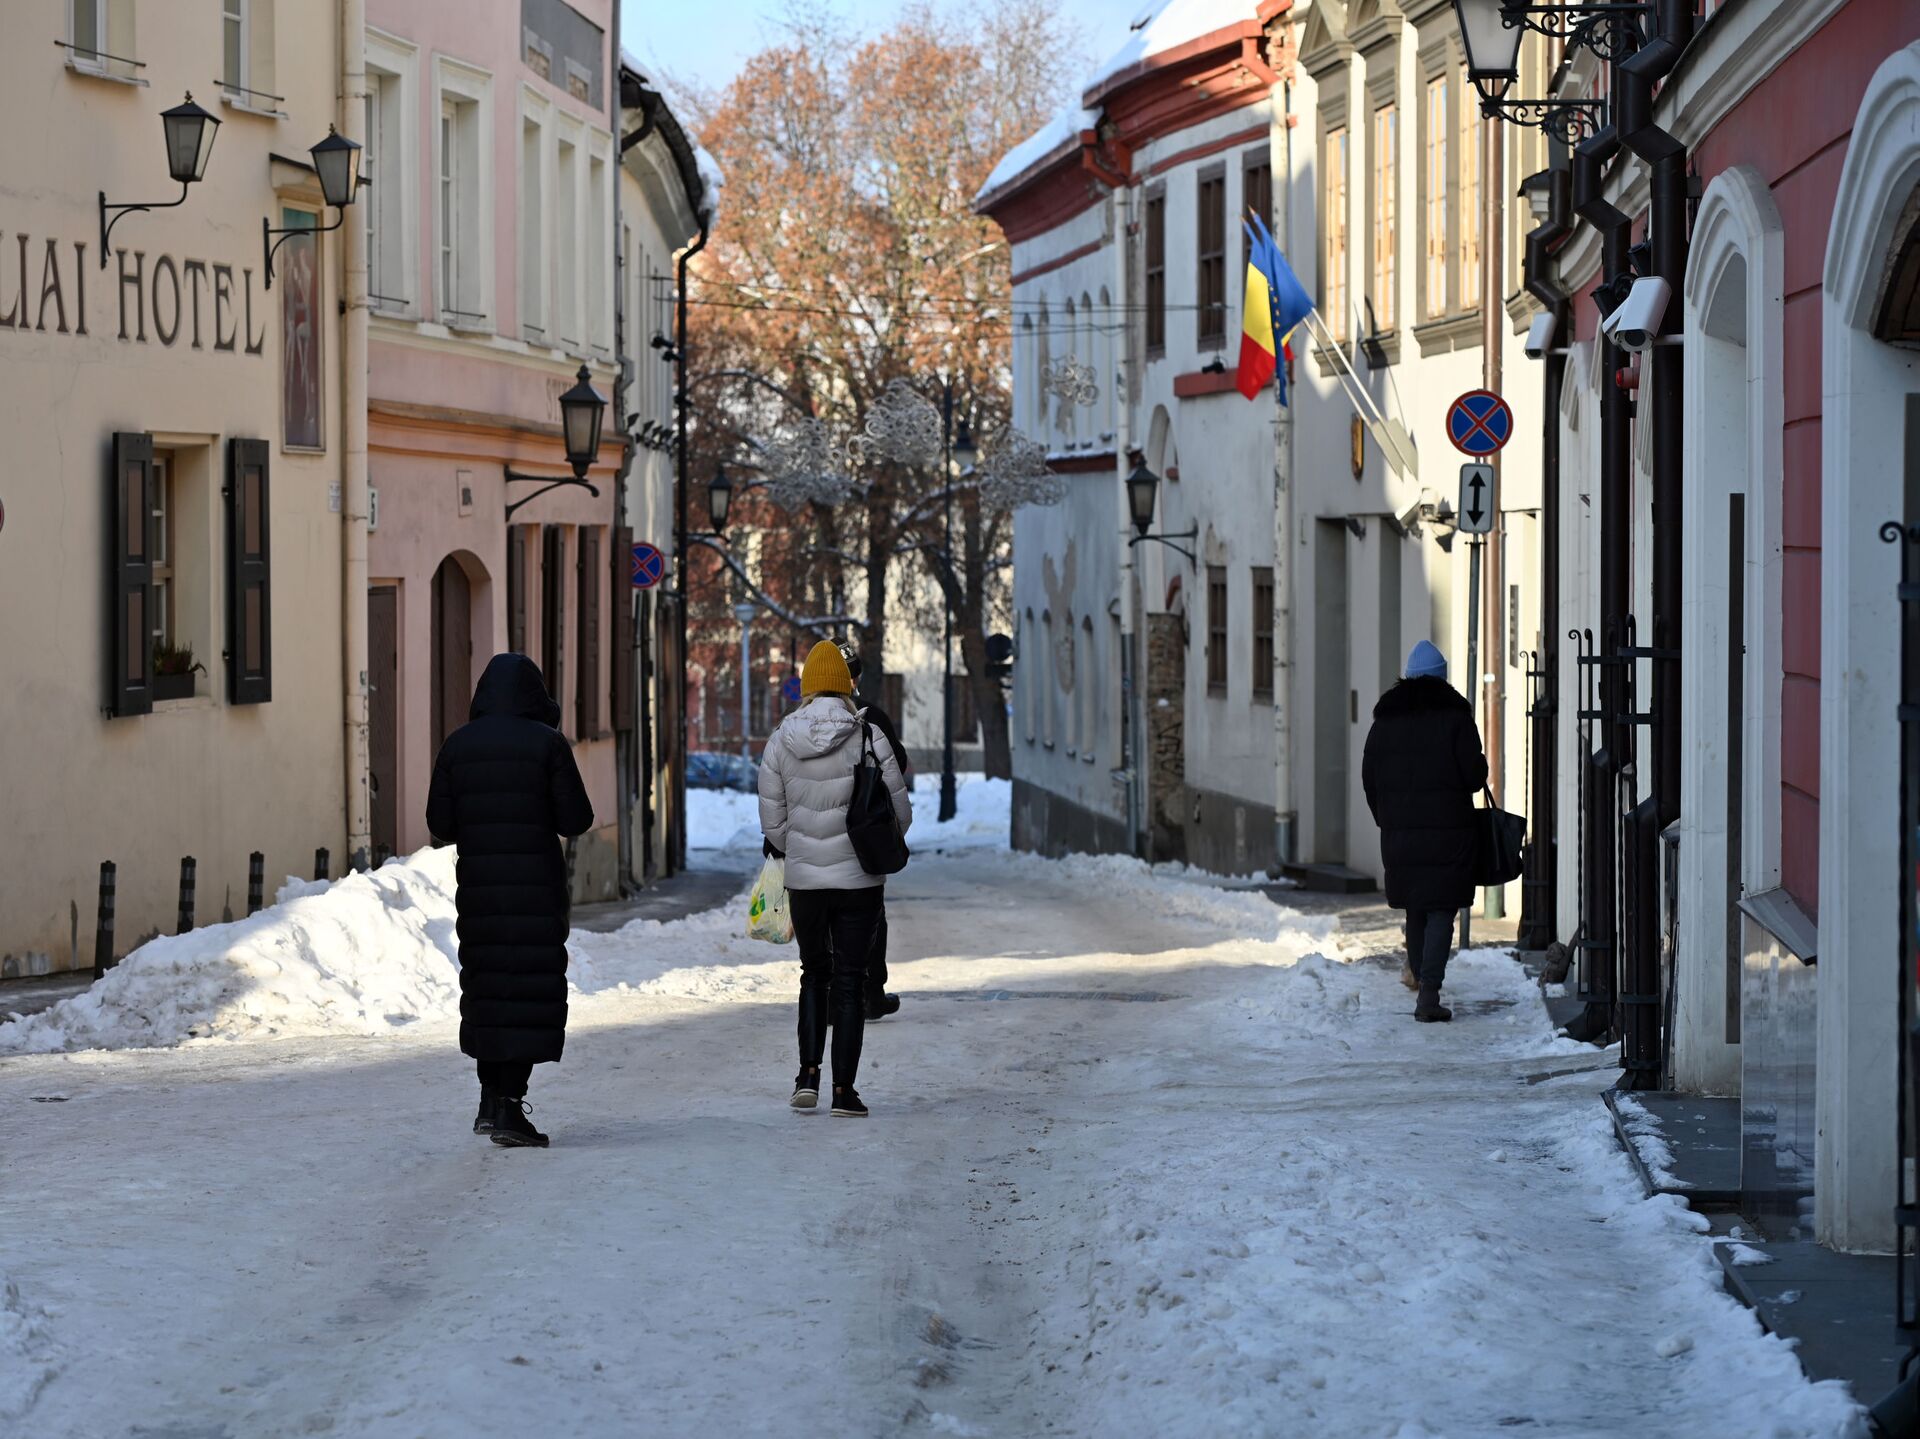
<point>880,1004</point>
<point>1423,766</point>
<point>504,787</point>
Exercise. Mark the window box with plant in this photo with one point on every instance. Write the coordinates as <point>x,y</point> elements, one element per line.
<point>173,670</point>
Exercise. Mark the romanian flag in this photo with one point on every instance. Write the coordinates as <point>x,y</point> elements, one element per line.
<point>1276,303</point>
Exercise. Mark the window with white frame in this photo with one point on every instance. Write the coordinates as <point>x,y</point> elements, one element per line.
<point>233,44</point>
<point>1469,162</point>
<point>1333,231</point>
<point>533,224</point>
<point>565,329</point>
<point>383,200</point>
<point>462,252</point>
<point>100,37</point>
<point>246,52</point>
<point>1385,227</point>
<point>599,243</point>
<point>1438,181</point>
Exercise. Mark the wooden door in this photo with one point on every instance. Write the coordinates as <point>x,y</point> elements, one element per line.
<point>452,659</point>
<point>383,713</point>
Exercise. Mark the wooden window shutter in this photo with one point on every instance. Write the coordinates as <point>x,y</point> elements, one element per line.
<point>249,575</point>
<point>517,589</point>
<point>130,576</point>
<point>620,589</point>
<point>586,669</point>
<point>553,618</point>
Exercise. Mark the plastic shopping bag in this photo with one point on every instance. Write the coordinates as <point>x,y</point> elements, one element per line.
<point>767,915</point>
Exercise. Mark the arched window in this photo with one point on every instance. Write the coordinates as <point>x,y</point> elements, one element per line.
<point>1041,361</point>
<point>1063,413</point>
<point>1026,676</point>
<point>1107,377</point>
<point>1083,414</point>
<point>1089,692</point>
<point>1046,679</point>
<point>1024,357</point>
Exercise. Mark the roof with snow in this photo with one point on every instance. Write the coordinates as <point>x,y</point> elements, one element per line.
<point>1046,145</point>
<point>1163,25</point>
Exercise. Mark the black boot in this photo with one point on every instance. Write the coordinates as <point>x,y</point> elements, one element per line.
<point>1429,1009</point>
<point>880,1005</point>
<point>511,1127</point>
<point>489,1103</point>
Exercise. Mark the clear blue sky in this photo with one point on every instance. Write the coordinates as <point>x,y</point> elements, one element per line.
<point>703,42</point>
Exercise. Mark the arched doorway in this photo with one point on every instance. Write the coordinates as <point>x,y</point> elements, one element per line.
<point>452,671</point>
<point>1870,474</point>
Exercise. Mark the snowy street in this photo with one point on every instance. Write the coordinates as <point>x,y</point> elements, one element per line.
<point>1147,1156</point>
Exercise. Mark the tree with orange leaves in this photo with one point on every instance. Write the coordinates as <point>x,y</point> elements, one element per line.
<point>852,259</point>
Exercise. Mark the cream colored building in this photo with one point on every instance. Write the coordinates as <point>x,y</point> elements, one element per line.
<point>172,437</point>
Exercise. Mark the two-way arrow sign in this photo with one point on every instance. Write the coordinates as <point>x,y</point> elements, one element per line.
<point>1476,499</point>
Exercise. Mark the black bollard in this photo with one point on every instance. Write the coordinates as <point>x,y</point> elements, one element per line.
<point>320,863</point>
<point>381,854</point>
<point>256,881</point>
<point>187,867</point>
<point>103,924</point>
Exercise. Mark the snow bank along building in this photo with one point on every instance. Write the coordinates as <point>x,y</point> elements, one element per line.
<point>1144,692</point>
<point>170,513</point>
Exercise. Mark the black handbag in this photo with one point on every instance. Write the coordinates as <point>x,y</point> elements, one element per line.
<point>872,824</point>
<point>1500,837</point>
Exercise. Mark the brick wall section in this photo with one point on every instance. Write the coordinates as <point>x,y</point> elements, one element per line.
<point>1166,751</point>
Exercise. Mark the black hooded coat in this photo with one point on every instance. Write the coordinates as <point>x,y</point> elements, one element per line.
<point>1422,768</point>
<point>505,785</point>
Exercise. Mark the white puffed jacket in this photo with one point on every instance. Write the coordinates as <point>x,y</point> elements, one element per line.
<point>806,785</point>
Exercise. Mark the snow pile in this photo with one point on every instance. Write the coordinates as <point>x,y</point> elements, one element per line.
<point>713,182</point>
<point>1649,1142</point>
<point>370,953</point>
<point>26,1352</point>
<point>719,819</point>
<point>722,819</point>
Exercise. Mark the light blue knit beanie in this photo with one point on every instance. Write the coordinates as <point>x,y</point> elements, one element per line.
<point>1425,660</point>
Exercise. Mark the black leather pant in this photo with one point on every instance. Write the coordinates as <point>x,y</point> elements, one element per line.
<point>877,960</point>
<point>835,931</point>
<point>1429,937</point>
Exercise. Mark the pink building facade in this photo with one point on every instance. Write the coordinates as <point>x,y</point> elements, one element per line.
<point>493,158</point>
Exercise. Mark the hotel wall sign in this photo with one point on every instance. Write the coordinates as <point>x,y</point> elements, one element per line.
<point>198,304</point>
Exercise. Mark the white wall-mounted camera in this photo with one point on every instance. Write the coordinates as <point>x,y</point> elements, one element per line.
<point>1540,335</point>
<point>1635,326</point>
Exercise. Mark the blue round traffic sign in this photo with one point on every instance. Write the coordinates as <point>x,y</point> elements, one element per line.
<point>790,690</point>
<point>649,566</point>
<point>1479,423</point>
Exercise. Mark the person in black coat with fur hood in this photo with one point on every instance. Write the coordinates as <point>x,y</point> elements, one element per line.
<point>504,788</point>
<point>1423,766</point>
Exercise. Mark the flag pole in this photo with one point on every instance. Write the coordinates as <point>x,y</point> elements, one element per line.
<point>1280,165</point>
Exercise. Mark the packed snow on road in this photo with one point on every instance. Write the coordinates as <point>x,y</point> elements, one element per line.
<point>1148,1155</point>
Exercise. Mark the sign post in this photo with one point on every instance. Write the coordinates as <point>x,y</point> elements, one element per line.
<point>1479,424</point>
<point>649,566</point>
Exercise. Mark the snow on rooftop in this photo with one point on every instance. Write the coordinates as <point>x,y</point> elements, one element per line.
<point>1163,25</point>
<point>713,180</point>
<point>1062,128</point>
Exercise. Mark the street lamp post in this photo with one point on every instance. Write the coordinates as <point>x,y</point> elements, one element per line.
<point>744,612</point>
<point>960,455</point>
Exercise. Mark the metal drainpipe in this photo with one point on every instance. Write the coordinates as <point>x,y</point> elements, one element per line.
<point>353,445</point>
<point>1600,905</point>
<point>1642,1051</point>
<point>679,842</point>
<point>1539,917</point>
<point>622,738</point>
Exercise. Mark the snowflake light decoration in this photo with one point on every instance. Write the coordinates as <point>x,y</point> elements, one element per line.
<point>902,426</point>
<point>1014,473</point>
<point>1072,380</point>
<point>805,467</point>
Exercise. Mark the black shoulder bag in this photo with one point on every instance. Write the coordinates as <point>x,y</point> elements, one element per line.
<point>1500,836</point>
<point>872,824</point>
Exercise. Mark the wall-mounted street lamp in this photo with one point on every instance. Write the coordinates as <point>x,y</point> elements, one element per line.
<point>583,410</point>
<point>1492,30</point>
<point>1143,495</point>
<point>719,500</point>
<point>336,160</point>
<point>190,131</point>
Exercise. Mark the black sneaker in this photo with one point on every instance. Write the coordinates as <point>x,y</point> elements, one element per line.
<point>806,1089</point>
<point>483,1121</point>
<point>511,1127</point>
<point>847,1105</point>
<point>881,1005</point>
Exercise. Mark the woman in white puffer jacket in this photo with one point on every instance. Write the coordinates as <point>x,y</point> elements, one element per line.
<point>806,786</point>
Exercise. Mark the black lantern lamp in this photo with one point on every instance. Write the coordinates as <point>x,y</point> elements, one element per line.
<point>583,410</point>
<point>966,454</point>
<point>336,160</point>
<point>1143,496</point>
<point>190,132</point>
<point>1492,39</point>
<point>719,499</point>
<point>1492,31</point>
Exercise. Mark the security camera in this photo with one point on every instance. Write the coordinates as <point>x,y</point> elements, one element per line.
<point>1636,324</point>
<point>1410,514</point>
<point>1540,335</point>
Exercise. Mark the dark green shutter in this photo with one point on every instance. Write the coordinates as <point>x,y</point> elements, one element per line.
<point>249,575</point>
<point>130,576</point>
<point>621,591</point>
<point>517,589</point>
<point>587,664</point>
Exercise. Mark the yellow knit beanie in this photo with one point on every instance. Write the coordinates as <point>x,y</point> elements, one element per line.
<point>825,672</point>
